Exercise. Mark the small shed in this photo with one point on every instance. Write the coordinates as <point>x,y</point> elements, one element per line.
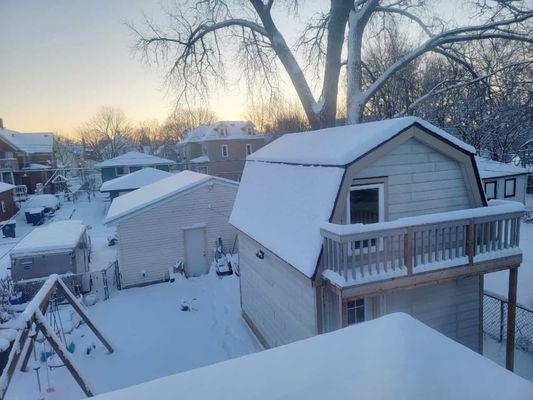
<point>58,248</point>
<point>7,203</point>
<point>503,180</point>
<point>179,218</point>
<point>135,180</point>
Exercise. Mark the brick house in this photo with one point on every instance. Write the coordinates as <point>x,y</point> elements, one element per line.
<point>7,203</point>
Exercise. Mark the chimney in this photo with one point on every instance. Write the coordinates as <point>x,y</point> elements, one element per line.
<point>1,123</point>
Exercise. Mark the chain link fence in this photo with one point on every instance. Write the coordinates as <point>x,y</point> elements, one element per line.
<point>495,321</point>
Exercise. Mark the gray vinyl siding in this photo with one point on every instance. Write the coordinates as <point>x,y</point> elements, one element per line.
<point>280,303</point>
<point>420,181</point>
<point>451,308</point>
<point>521,187</point>
<point>153,240</point>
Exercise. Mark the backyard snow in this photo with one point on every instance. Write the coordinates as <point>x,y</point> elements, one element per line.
<point>151,336</point>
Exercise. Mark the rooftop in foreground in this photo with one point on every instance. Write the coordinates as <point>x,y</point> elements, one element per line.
<point>392,357</point>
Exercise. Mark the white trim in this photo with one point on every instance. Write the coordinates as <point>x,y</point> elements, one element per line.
<point>381,199</point>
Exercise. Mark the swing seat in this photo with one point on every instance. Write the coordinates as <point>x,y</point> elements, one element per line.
<point>45,355</point>
<point>71,347</point>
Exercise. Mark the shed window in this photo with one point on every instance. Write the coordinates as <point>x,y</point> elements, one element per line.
<point>224,150</point>
<point>366,204</point>
<point>248,149</point>
<point>203,170</point>
<point>122,171</point>
<point>355,311</point>
<point>490,190</point>
<point>510,187</point>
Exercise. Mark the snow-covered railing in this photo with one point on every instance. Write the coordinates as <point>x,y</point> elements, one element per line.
<point>21,193</point>
<point>361,253</point>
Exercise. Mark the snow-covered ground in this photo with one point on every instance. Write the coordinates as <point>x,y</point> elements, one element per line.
<point>495,351</point>
<point>152,337</point>
<point>498,282</point>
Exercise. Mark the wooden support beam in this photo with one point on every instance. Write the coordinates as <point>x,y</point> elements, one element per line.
<point>511,319</point>
<point>408,250</point>
<point>14,356</point>
<point>62,352</point>
<point>471,243</point>
<point>74,303</point>
<point>24,367</point>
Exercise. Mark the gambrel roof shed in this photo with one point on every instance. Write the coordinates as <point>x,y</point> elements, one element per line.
<point>296,181</point>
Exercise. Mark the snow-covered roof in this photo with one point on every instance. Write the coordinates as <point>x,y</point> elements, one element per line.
<point>200,160</point>
<point>42,142</point>
<point>134,158</point>
<point>36,166</point>
<point>343,144</point>
<point>4,187</point>
<point>55,237</point>
<point>389,358</point>
<point>282,206</point>
<point>135,180</point>
<point>156,192</point>
<point>495,169</point>
<point>222,130</point>
<point>42,200</point>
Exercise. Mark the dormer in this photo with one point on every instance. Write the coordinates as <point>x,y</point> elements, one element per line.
<point>222,129</point>
<point>249,128</point>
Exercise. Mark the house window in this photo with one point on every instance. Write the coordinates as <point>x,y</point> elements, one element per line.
<point>366,204</point>
<point>223,131</point>
<point>203,170</point>
<point>355,311</point>
<point>122,171</point>
<point>248,149</point>
<point>250,130</point>
<point>3,206</point>
<point>224,148</point>
<point>490,190</point>
<point>510,187</point>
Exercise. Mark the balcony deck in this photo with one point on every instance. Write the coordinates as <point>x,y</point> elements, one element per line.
<point>364,259</point>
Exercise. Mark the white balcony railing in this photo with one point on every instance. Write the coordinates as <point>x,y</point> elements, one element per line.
<point>358,254</point>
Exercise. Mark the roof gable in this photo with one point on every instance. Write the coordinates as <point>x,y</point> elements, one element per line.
<point>156,192</point>
<point>342,145</point>
<point>132,159</point>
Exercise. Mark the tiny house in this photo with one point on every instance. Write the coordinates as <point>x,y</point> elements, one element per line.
<point>58,248</point>
<point>346,224</point>
<point>503,180</point>
<point>176,219</point>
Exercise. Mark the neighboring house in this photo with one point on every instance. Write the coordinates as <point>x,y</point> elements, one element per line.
<point>135,180</point>
<point>346,224</point>
<point>178,218</point>
<point>26,158</point>
<point>7,203</point>
<point>503,181</point>
<point>131,162</point>
<point>219,149</point>
<point>58,248</point>
<point>394,357</point>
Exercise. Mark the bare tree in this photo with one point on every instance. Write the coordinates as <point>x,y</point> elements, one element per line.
<point>106,133</point>
<point>194,45</point>
<point>183,120</point>
<point>278,117</point>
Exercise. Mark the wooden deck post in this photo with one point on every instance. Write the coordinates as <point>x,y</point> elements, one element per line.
<point>408,250</point>
<point>511,319</point>
<point>471,243</point>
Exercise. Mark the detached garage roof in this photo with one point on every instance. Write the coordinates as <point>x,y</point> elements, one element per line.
<point>133,159</point>
<point>134,180</point>
<point>55,237</point>
<point>389,358</point>
<point>156,192</point>
<point>495,169</point>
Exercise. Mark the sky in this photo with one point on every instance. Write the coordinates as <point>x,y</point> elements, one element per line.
<point>62,60</point>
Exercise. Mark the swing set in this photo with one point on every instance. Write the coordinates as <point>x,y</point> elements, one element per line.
<point>33,322</point>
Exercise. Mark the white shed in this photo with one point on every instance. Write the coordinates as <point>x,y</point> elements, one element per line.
<point>503,180</point>
<point>178,218</point>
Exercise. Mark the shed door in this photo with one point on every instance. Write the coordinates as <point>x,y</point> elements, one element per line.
<point>195,257</point>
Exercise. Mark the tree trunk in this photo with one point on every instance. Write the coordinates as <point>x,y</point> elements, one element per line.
<point>355,97</point>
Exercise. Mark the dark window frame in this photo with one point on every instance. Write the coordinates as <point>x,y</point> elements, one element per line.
<point>495,183</point>
<point>505,195</point>
<point>355,311</point>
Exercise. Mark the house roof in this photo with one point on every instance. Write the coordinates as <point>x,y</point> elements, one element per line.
<point>42,142</point>
<point>135,180</point>
<point>388,358</point>
<point>200,160</point>
<point>132,159</point>
<point>343,144</point>
<point>297,193</point>
<point>235,130</point>
<point>4,187</point>
<point>495,169</point>
<point>55,237</point>
<point>156,192</point>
